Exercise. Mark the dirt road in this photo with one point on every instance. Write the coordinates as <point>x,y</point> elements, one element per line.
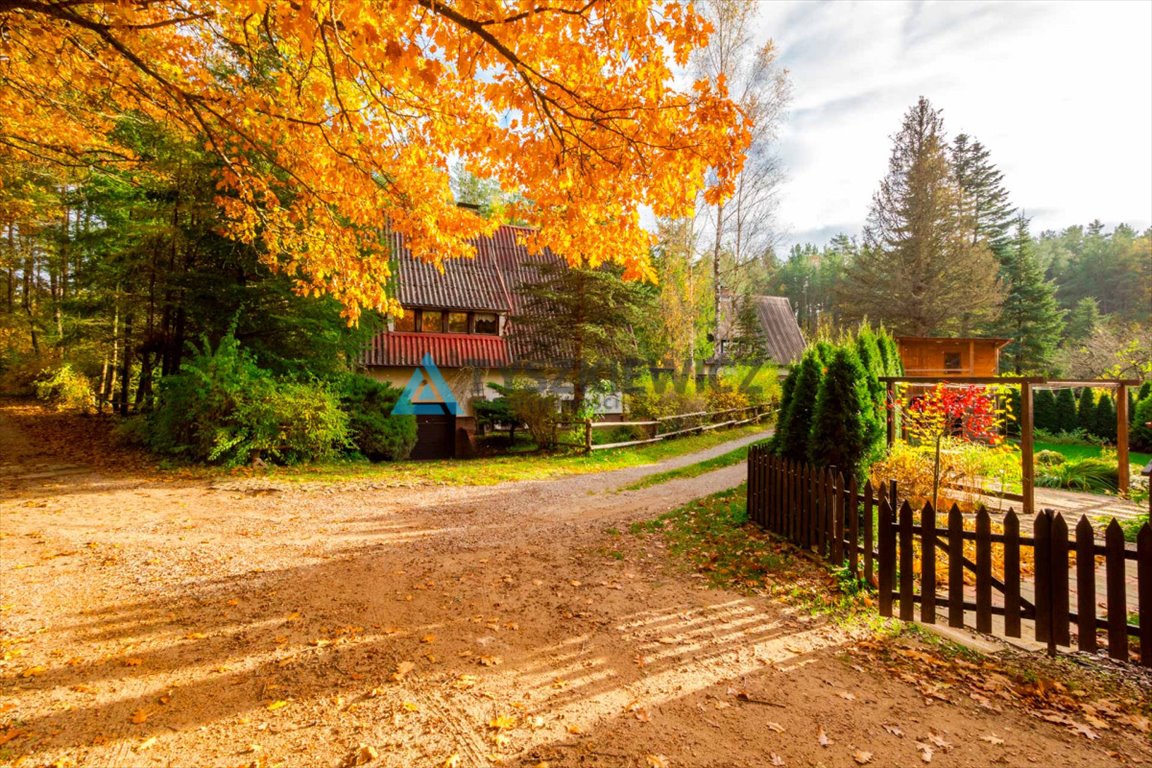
<point>153,621</point>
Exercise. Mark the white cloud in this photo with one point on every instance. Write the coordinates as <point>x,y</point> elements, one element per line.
<point>1060,93</point>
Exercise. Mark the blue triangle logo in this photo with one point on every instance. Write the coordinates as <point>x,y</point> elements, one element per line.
<point>427,393</point>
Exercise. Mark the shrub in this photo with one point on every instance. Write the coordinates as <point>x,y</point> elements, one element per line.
<point>372,429</point>
<point>1050,458</point>
<point>1074,437</point>
<point>221,407</point>
<point>1066,418</point>
<point>1044,412</point>
<point>1141,435</point>
<point>1086,410</point>
<point>840,427</point>
<point>66,389</point>
<point>796,422</point>
<point>1104,419</point>
<point>1090,474</point>
<point>538,412</point>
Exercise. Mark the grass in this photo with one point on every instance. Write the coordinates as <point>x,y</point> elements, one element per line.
<point>1084,451</point>
<point>692,470</point>
<point>499,469</point>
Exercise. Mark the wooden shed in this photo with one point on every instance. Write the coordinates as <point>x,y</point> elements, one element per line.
<point>946,356</point>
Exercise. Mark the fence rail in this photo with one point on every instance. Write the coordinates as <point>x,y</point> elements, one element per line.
<point>1055,578</point>
<point>707,421</point>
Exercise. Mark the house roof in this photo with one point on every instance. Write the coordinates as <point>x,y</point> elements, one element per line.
<point>999,342</point>
<point>782,333</point>
<point>449,350</point>
<point>782,337</point>
<point>489,282</point>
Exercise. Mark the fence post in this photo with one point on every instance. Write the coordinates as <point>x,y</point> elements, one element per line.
<point>869,513</point>
<point>928,564</point>
<point>1114,575</point>
<point>1011,574</point>
<point>887,553</point>
<point>1144,591</point>
<point>955,567</point>
<point>587,435</point>
<point>1085,585</point>
<point>1042,531</point>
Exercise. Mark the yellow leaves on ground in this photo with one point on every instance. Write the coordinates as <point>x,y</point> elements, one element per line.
<point>35,671</point>
<point>503,722</point>
<point>195,636</point>
<point>133,662</point>
<point>656,761</point>
<point>140,716</point>
<point>402,669</point>
<point>11,733</point>
<point>428,639</point>
<point>275,705</point>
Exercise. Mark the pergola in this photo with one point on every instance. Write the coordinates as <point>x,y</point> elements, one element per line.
<point>1027,384</point>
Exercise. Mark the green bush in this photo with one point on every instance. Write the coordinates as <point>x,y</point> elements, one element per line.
<point>1044,412</point>
<point>1086,410</point>
<point>1104,419</point>
<point>223,408</point>
<point>538,412</point>
<point>1066,417</point>
<point>840,426</point>
<point>66,389</point>
<point>1073,437</point>
<point>1140,438</point>
<point>374,431</point>
<point>795,423</point>
<point>1050,458</point>
<point>1092,474</point>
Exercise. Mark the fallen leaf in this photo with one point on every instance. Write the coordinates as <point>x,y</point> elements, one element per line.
<point>491,661</point>
<point>402,669</point>
<point>657,761</point>
<point>992,739</point>
<point>502,722</point>
<point>140,716</point>
<point>822,737</point>
<point>410,706</point>
<point>847,696</point>
<point>775,759</point>
<point>925,751</point>
<point>452,761</point>
<point>464,682</point>
<point>895,730</point>
<point>82,688</point>
<point>428,639</point>
<point>195,636</point>
<point>939,741</point>
<point>861,757</point>
<point>278,704</point>
<point>774,727</point>
<point>12,733</point>
<point>34,671</point>
<point>574,729</point>
<point>133,662</point>
<point>147,743</point>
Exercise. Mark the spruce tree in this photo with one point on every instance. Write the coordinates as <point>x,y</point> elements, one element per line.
<point>1083,321</point>
<point>1030,315</point>
<point>1044,411</point>
<point>919,271</point>
<point>1086,410</point>
<point>984,202</point>
<point>1104,421</point>
<point>839,434</point>
<point>749,343</point>
<point>868,350</point>
<point>797,422</point>
<point>1065,419</point>
<point>786,390</point>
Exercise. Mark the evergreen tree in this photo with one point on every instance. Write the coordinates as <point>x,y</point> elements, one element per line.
<point>1065,418</point>
<point>1044,411</point>
<point>1082,321</point>
<point>839,434</point>
<point>919,271</point>
<point>581,321</point>
<point>786,390</point>
<point>1030,316</point>
<point>868,350</point>
<point>797,422</point>
<point>1140,438</point>
<point>1086,410</point>
<point>749,344</point>
<point>1104,421</point>
<point>984,202</point>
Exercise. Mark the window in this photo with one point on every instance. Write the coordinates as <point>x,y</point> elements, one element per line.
<point>406,323</point>
<point>486,323</point>
<point>457,322</point>
<point>431,321</point>
<point>952,362</point>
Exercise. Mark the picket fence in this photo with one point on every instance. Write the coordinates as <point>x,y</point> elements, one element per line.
<point>1051,579</point>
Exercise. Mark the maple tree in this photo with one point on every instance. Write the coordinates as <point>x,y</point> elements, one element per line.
<point>335,118</point>
<point>944,411</point>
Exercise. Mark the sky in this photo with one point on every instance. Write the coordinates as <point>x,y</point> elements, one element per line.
<point>1059,92</point>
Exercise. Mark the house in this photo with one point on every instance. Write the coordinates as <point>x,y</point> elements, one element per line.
<point>782,336</point>
<point>945,356</point>
<point>461,320</point>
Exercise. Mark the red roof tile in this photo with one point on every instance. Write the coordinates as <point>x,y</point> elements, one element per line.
<point>448,350</point>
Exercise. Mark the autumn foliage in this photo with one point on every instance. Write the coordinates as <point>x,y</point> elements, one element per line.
<point>334,119</point>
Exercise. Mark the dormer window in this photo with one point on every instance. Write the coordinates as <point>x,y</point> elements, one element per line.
<point>431,321</point>
<point>457,322</point>
<point>406,323</point>
<point>487,323</point>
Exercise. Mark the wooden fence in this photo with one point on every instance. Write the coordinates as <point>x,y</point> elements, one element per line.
<point>661,428</point>
<point>1054,578</point>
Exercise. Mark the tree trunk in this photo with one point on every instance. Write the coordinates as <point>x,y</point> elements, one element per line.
<point>126,364</point>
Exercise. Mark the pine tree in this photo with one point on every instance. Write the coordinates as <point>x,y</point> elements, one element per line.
<point>749,343</point>
<point>984,201</point>
<point>797,422</point>
<point>919,271</point>
<point>839,434</point>
<point>1065,418</point>
<point>1086,410</point>
<point>1083,321</point>
<point>1030,315</point>
<point>1044,411</point>
<point>1104,419</point>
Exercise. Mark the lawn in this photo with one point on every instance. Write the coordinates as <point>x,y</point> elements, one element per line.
<point>499,469</point>
<point>692,470</point>
<point>1082,451</point>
